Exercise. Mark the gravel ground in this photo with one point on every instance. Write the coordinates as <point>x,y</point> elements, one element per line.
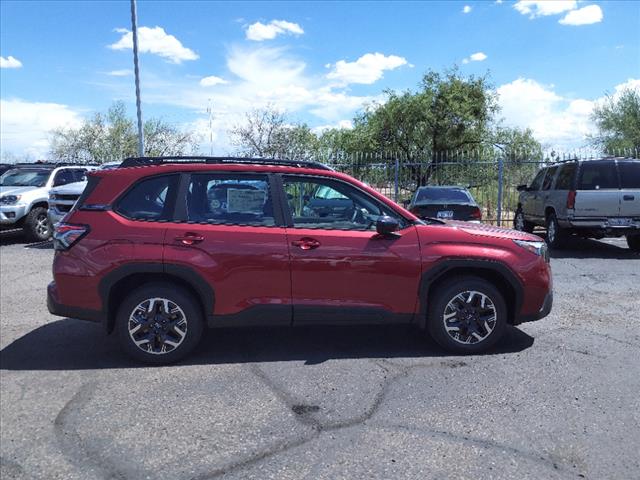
<point>558,398</point>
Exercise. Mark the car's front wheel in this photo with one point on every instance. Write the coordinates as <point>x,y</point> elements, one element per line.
<point>634,242</point>
<point>36,225</point>
<point>467,315</point>
<point>159,323</point>
<point>519,223</point>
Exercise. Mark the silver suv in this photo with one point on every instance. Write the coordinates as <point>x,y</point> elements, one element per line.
<point>590,198</point>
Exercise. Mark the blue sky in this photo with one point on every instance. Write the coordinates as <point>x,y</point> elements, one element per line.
<point>318,61</point>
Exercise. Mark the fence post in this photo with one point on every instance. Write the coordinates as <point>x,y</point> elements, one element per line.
<point>500,181</point>
<point>395,187</point>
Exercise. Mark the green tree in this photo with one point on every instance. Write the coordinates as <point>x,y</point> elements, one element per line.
<point>618,122</point>
<point>113,136</point>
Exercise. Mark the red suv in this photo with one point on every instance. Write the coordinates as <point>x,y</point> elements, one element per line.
<point>162,247</point>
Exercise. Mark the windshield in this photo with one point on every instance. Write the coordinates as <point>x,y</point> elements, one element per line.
<point>24,178</point>
<point>443,195</point>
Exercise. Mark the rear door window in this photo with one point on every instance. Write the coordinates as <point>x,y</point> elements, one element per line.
<point>565,177</point>
<point>548,180</point>
<point>629,174</point>
<point>147,200</point>
<point>598,175</point>
<point>230,199</point>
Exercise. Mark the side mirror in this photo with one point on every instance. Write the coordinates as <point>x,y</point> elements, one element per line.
<point>521,188</point>
<point>386,225</point>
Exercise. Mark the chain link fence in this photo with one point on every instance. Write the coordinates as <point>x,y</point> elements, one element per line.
<point>490,176</point>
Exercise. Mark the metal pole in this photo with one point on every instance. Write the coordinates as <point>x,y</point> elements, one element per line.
<point>134,31</point>
<point>395,190</point>
<point>210,112</point>
<point>500,180</point>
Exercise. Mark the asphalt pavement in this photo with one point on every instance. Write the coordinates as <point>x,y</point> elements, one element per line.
<point>558,398</point>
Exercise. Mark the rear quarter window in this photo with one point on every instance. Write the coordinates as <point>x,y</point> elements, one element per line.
<point>598,176</point>
<point>148,199</point>
<point>629,174</point>
<point>565,177</point>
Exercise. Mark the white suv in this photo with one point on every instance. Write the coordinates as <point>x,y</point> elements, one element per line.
<point>24,196</point>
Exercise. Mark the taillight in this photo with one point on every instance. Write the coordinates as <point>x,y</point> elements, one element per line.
<point>571,199</point>
<point>476,214</point>
<point>65,235</point>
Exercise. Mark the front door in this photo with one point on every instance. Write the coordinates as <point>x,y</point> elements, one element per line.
<point>341,269</point>
<point>235,242</point>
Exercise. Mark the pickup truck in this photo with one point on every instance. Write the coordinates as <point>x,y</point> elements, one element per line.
<point>590,198</point>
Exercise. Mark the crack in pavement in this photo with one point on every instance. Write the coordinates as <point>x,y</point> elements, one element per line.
<point>70,442</point>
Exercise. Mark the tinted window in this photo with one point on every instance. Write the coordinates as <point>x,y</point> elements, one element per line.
<point>63,177</point>
<point>79,175</point>
<point>548,180</point>
<point>598,175</point>
<point>537,182</point>
<point>231,199</point>
<point>24,178</point>
<point>629,174</point>
<point>331,205</point>
<point>147,200</point>
<point>565,177</point>
<point>443,195</point>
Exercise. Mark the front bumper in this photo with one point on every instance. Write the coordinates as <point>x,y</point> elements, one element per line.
<point>55,216</point>
<point>56,308</point>
<point>10,214</point>
<point>543,312</point>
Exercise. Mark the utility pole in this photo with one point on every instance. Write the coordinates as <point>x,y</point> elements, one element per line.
<point>210,112</point>
<point>136,70</point>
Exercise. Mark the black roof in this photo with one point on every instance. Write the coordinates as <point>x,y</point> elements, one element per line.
<point>148,161</point>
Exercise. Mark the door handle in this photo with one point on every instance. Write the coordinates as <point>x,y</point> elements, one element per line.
<point>189,238</point>
<point>629,197</point>
<point>306,243</point>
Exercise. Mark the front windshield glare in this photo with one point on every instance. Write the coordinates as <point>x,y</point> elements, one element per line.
<point>24,178</point>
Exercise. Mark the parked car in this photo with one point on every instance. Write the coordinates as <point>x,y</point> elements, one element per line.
<point>63,198</point>
<point>24,193</point>
<point>591,198</point>
<point>5,166</point>
<point>445,202</point>
<point>158,249</point>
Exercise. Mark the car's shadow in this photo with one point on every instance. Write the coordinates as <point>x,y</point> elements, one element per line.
<point>577,247</point>
<point>76,345</point>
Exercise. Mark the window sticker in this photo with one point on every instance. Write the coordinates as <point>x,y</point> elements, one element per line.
<point>245,201</point>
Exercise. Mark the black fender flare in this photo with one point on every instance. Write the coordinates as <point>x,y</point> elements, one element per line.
<point>442,267</point>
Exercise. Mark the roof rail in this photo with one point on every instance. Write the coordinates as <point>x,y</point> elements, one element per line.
<point>148,161</point>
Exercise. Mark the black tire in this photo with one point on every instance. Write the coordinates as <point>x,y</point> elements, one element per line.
<point>634,242</point>
<point>189,309</point>
<point>36,225</point>
<point>519,223</point>
<point>556,237</point>
<point>439,308</point>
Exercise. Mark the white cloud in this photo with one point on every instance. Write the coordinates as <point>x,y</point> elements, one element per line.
<point>120,73</point>
<point>543,8</point>
<point>475,57</point>
<point>10,62</point>
<point>25,126</point>
<point>366,70</point>
<point>259,31</point>
<point>156,41</point>
<point>466,9</point>
<point>211,81</point>
<point>583,16</point>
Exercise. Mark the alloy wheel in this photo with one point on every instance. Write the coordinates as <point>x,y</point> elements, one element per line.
<point>157,326</point>
<point>519,221</point>
<point>469,317</point>
<point>42,225</point>
<point>551,231</point>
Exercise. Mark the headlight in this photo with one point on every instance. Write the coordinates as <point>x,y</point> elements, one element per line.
<point>9,199</point>
<point>537,248</point>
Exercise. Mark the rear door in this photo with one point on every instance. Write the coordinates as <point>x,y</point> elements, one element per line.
<point>598,190</point>
<point>529,196</point>
<point>630,188</point>
<point>229,233</point>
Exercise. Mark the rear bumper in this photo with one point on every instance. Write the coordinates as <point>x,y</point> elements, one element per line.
<point>545,309</point>
<point>607,226</point>
<point>57,308</point>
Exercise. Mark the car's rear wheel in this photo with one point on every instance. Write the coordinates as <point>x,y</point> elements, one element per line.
<point>634,242</point>
<point>467,315</point>
<point>556,236</point>
<point>36,225</point>
<point>159,323</point>
<point>519,223</point>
